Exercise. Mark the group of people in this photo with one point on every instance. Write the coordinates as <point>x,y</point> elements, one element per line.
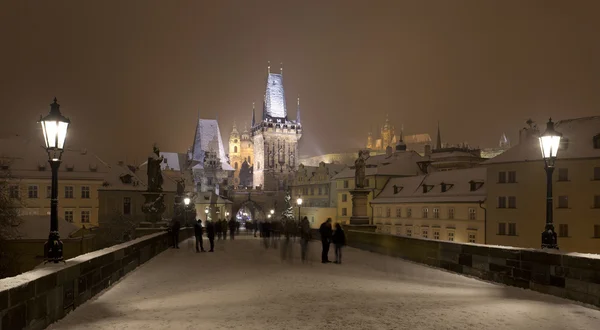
<point>269,231</point>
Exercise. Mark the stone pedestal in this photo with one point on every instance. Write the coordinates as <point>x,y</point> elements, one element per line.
<point>359,207</point>
<point>154,207</point>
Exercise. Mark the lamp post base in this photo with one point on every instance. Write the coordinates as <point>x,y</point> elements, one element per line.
<point>549,240</point>
<point>53,248</point>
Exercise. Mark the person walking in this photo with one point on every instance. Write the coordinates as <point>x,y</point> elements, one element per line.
<point>224,226</point>
<point>339,240</point>
<point>304,238</point>
<point>198,231</point>
<point>217,226</point>
<point>232,227</point>
<point>175,232</point>
<point>326,232</point>
<point>210,233</point>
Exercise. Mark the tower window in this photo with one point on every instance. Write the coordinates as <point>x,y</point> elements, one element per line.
<point>235,141</point>
<point>236,165</point>
<point>235,149</point>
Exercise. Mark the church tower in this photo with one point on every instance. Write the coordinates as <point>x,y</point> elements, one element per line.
<point>235,153</point>
<point>275,138</point>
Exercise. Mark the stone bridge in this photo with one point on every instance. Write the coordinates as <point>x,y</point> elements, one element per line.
<point>257,201</point>
<point>384,282</point>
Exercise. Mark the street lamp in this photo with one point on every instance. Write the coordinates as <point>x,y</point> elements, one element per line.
<point>186,202</point>
<point>549,144</point>
<point>299,202</point>
<point>268,216</point>
<point>272,211</point>
<point>54,127</point>
<point>206,211</point>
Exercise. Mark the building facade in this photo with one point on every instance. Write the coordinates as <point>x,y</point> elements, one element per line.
<point>441,205</point>
<point>517,189</point>
<point>275,139</point>
<point>241,149</point>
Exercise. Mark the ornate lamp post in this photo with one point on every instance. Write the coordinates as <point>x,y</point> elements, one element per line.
<point>549,144</point>
<point>186,203</point>
<point>54,126</point>
<point>206,212</point>
<point>299,203</point>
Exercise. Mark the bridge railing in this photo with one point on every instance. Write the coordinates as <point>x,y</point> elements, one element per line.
<point>37,298</point>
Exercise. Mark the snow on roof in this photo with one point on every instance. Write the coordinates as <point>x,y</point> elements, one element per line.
<point>578,137</point>
<point>397,164</point>
<point>275,97</point>
<point>417,138</point>
<point>38,226</point>
<point>458,185</point>
<point>28,159</point>
<point>175,161</point>
<point>121,177</point>
<point>208,138</point>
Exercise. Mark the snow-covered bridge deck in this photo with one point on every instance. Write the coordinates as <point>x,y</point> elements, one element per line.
<point>244,286</point>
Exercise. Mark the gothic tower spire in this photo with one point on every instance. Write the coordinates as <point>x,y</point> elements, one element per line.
<point>253,116</point>
<point>298,111</point>
<point>438,144</point>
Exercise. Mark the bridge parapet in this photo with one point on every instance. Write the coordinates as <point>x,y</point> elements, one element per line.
<point>573,276</point>
<point>37,298</point>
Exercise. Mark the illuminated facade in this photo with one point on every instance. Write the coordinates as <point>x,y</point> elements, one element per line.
<point>241,149</point>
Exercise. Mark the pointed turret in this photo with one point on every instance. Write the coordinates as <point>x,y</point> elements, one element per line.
<point>234,131</point>
<point>298,111</point>
<point>275,97</point>
<point>438,144</point>
<point>253,116</point>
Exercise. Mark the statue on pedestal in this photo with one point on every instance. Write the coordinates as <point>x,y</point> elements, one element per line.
<point>155,179</point>
<point>359,171</point>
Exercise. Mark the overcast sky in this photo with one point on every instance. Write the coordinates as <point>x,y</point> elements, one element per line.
<point>131,73</point>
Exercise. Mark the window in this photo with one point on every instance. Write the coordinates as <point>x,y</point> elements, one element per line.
<point>408,212</point>
<point>312,191</point>
<point>235,165</point>
<point>501,202</point>
<point>563,174</point>
<point>436,234</point>
<point>451,213</point>
<point>596,173</point>
<point>425,213</point>
<point>451,236</point>
<point>597,202</point>
<point>563,230</point>
<point>597,231</point>
<point>512,176</point>
<point>502,228</point>
<point>436,213</point>
<point>563,202</point>
<point>424,233</point>
<point>344,212</point>
<point>48,191</point>
<point>408,232</point>
<point>320,191</point>
<point>344,197</point>
<point>14,191</point>
<point>69,192</point>
<point>69,216</point>
<point>501,177</point>
<point>345,183</point>
<point>249,159</point>
<point>388,212</point>
<point>472,214</point>
<point>126,205</point>
<point>85,192</point>
<point>399,212</point>
<point>32,191</point>
<point>258,166</point>
<point>512,229</point>
<point>512,202</point>
<point>472,237</point>
<point>596,140</point>
<point>366,182</point>
<point>235,149</point>
<point>378,212</point>
<point>85,216</point>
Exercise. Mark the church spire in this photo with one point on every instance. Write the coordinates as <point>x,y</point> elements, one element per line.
<point>253,116</point>
<point>268,67</point>
<point>298,111</point>
<point>438,144</point>
<point>281,68</point>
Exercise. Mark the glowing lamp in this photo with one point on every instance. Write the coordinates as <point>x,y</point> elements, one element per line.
<point>549,143</point>
<point>272,211</point>
<point>186,201</point>
<point>54,127</point>
<point>299,201</point>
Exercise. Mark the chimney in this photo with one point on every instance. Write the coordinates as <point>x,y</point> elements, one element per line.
<point>427,150</point>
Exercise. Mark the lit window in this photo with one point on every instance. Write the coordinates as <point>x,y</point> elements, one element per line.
<point>563,174</point>
<point>425,213</point>
<point>436,213</point>
<point>424,233</point>
<point>472,237</point>
<point>563,202</point>
<point>502,228</point>
<point>451,213</point>
<point>472,214</point>
<point>563,230</point>
<point>85,192</point>
<point>69,192</point>
<point>32,191</point>
<point>512,229</point>
<point>69,216</point>
<point>85,216</point>
<point>436,234</point>
<point>451,236</point>
<point>399,212</point>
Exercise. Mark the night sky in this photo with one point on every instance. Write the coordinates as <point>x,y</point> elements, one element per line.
<point>130,73</point>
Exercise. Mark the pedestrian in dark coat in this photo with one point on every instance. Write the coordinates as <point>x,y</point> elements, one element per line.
<point>210,233</point>
<point>217,226</point>
<point>232,227</point>
<point>339,240</point>
<point>198,231</point>
<point>326,233</point>
<point>224,228</point>
<point>175,232</point>
<point>304,238</point>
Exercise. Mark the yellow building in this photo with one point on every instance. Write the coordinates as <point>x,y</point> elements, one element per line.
<point>314,184</point>
<point>444,205</point>
<point>80,176</point>
<point>379,170</point>
<point>517,189</point>
<point>241,149</point>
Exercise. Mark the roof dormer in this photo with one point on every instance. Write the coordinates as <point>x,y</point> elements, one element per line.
<point>446,186</point>
<point>596,141</point>
<point>397,189</point>
<point>475,185</point>
<point>427,188</point>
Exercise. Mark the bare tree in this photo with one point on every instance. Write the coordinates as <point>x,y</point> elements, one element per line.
<point>10,202</point>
